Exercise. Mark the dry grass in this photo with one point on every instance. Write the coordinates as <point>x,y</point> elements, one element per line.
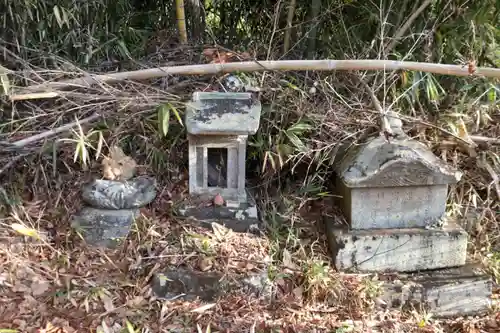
<point>57,279</point>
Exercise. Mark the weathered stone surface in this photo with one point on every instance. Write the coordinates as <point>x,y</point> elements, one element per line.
<point>459,291</point>
<point>189,285</point>
<point>218,113</point>
<point>241,218</point>
<point>109,194</point>
<point>258,284</point>
<point>398,250</point>
<point>102,227</point>
<point>400,162</point>
<point>398,183</point>
<point>207,176</point>
<point>393,207</point>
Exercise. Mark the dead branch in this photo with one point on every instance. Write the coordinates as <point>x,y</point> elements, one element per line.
<point>255,66</point>
<point>20,144</point>
<point>24,142</point>
<point>385,125</point>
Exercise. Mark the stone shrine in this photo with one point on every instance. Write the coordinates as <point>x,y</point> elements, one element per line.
<point>112,205</point>
<point>218,125</point>
<point>393,194</point>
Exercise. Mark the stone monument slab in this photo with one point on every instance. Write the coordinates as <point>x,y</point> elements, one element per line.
<point>398,183</point>
<point>396,207</point>
<point>393,192</point>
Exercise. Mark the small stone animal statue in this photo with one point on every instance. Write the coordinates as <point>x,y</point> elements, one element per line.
<point>118,166</point>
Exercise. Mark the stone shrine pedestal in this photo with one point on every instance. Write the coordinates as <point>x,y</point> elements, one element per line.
<point>394,198</point>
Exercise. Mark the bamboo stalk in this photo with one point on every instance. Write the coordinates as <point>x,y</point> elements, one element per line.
<point>259,66</point>
<point>289,24</point>
<point>181,20</point>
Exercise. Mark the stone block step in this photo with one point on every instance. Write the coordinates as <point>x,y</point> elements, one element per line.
<point>397,250</point>
<point>447,292</point>
<point>240,218</point>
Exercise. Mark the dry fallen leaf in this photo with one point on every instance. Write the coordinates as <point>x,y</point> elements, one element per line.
<point>220,231</point>
<point>205,264</point>
<point>137,301</point>
<point>118,166</point>
<point>107,302</point>
<point>204,308</point>
<point>287,260</point>
<point>39,288</point>
<point>298,293</point>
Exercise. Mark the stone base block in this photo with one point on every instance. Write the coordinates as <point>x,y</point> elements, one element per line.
<point>444,293</point>
<point>398,250</point>
<point>241,218</point>
<point>104,227</point>
<point>183,283</point>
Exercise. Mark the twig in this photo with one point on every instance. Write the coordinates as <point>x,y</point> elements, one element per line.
<point>495,180</point>
<point>13,161</point>
<point>474,138</point>
<point>479,138</point>
<point>256,66</point>
<point>25,97</point>
<point>385,125</point>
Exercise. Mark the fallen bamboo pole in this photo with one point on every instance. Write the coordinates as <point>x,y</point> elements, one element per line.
<point>49,89</point>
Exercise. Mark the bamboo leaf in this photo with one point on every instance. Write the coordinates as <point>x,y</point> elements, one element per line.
<point>163,119</point>
<point>130,328</point>
<point>99,145</point>
<point>299,128</point>
<point>77,152</point>
<point>84,153</point>
<point>57,14</point>
<point>492,94</point>
<point>176,114</point>
<point>296,141</point>
<point>291,85</point>
<point>25,231</point>
<point>4,80</point>
<point>404,79</point>
<point>123,49</point>
<point>65,16</point>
